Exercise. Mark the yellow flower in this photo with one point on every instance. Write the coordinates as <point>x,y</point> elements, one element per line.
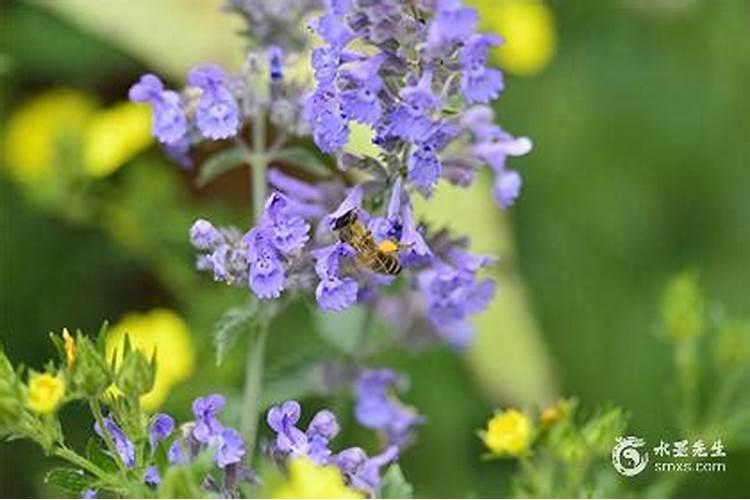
<point>165,332</point>
<point>45,392</point>
<point>508,433</point>
<point>114,135</point>
<point>309,480</point>
<point>69,344</point>
<point>36,132</point>
<point>528,28</point>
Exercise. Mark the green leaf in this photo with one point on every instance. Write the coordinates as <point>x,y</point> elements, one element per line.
<point>232,323</point>
<point>304,159</point>
<point>220,163</point>
<point>96,455</point>
<point>341,330</point>
<point>394,484</point>
<point>73,481</point>
<point>185,481</point>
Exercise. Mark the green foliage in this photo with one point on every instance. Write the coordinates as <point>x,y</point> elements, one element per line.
<point>72,481</point>
<point>682,307</point>
<point>185,481</point>
<point>221,163</point>
<point>136,374</point>
<point>394,484</point>
<point>235,322</point>
<point>91,373</point>
<point>305,159</point>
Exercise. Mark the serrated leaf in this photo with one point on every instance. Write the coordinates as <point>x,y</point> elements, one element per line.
<point>304,159</point>
<point>394,484</point>
<point>341,330</point>
<point>220,163</point>
<point>231,325</point>
<point>73,481</point>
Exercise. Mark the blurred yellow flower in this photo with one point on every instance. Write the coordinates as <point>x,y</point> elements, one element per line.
<point>36,132</point>
<point>114,135</point>
<point>45,392</point>
<point>69,344</point>
<point>508,433</point>
<point>66,125</point>
<point>165,332</point>
<point>528,28</point>
<point>309,480</point>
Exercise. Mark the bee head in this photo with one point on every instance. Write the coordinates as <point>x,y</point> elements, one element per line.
<point>345,220</point>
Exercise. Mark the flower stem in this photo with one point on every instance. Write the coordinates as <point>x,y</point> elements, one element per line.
<point>76,459</point>
<point>258,160</point>
<point>253,387</point>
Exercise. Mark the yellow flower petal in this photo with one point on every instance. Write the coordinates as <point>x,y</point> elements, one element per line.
<point>45,391</point>
<point>114,136</point>
<point>508,433</point>
<point>309,480</point>
<point>528,28</point>
<point>37,129</point>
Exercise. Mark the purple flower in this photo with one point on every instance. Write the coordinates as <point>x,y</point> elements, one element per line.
<point>161,428</point>
<point>290,440</point>
<point>89,493</point>
<point>276,63</point>
<point>334,292</point>
<point>170,121</point>
<point>333,31</point>
<point>361,472</point>
<point>289,232</point>
<point>506,188</point>
<point>411,120</point>
<point>452,23</point>
<point>303,199</point>
<point>479,83</point>
<point>362,84</point>
<point>452,293</point>
<point>207,428</point>
<point>151,476</point>
<point>324,113</point>
<point>377,409</point>
<point>125,448</point>
<point>217,116</point>
<point>495,153</point>
<point>203,235</point>
<point>423,168</point>
<point>176,453</point>
<point>231,448</point>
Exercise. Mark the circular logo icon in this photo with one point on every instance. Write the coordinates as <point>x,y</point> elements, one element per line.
<point>626,456</point>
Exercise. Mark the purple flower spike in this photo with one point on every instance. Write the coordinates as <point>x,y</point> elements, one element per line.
<point>161,428</point>
<point>363,473</point>
<point>479,83</point>
<point>170,121</point>
<point>207,427</point>
<point>125,448</point>
<point>276,63</point>
<point>89,493</point>
<point>217,116</point>
<point>423,168</point>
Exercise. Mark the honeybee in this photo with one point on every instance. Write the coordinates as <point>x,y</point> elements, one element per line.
<point>379,257</point>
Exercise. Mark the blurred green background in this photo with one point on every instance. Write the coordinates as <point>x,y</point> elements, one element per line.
<point>641,169</point>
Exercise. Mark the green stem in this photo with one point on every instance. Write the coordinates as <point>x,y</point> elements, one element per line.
<point>76,459</point>
<point>96,409</point>
<point>253,387</point>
